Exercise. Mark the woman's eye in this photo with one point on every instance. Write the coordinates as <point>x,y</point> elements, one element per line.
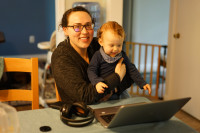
<point>89,26</point>
<point>77,27</point>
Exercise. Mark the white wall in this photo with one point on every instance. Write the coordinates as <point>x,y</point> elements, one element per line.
<point>110,10</point>
<point>102,3</point>
<point>150,22</point>
<point>150,19</point>
<point>114,11</point>
<point>60,9</point>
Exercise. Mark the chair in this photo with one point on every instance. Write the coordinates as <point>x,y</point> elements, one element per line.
<point>57,94</point>
<point>50,46</point>
<point>22,65</point>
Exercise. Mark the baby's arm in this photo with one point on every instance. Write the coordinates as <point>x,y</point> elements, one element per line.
<point>133,72</point>
<point>147,87</point>
<point>100,87</point>
<point>93,70</point>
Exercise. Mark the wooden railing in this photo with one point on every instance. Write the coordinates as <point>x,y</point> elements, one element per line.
<point>149,59</point>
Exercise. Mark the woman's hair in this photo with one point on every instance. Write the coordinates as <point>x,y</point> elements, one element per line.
<point>112,26</point>
<point>64,21</point>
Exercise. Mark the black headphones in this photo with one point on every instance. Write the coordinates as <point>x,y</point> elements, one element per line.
<point>79,109</point>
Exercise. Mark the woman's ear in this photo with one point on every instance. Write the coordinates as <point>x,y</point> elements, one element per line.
<point>65,31</point>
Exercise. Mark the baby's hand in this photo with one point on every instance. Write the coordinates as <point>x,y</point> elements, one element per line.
<point>100,87</point>
<point>147,87</point>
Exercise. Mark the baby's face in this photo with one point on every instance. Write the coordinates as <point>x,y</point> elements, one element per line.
<point>111,43</point>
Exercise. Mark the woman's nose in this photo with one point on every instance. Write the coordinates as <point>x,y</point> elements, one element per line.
<point>84,30</point>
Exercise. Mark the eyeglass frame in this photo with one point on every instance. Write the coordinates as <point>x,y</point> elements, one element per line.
<point>92,24</point>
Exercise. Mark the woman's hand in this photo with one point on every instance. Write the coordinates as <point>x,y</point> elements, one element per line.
<point>120,69</point>
<point>105,98</point>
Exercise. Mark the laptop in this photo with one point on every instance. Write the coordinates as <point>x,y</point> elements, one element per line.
<point>139,113</point>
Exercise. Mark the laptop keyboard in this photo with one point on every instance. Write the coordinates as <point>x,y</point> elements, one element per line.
<point>108,117</point>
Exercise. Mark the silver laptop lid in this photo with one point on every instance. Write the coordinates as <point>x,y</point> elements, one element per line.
<point>143,113</point>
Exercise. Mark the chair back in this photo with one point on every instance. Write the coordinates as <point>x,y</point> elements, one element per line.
<point>22,65</point>
<point>57,94</point>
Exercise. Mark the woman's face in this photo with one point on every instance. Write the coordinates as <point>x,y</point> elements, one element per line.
<point>79,40</point>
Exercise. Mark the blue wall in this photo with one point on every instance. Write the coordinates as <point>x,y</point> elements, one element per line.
<point>21,18</point>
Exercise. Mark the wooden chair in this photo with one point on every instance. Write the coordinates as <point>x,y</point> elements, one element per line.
<point>57,94</point>
<point>22,65</point>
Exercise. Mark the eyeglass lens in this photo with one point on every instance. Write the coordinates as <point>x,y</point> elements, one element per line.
<point>79,28</point>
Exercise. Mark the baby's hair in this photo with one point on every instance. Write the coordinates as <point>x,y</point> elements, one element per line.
<point>114,27</point>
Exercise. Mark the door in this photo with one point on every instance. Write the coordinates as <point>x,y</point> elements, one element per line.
<point>183,61</point>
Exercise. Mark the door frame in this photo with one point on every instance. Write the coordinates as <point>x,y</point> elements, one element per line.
<point>171,42</point>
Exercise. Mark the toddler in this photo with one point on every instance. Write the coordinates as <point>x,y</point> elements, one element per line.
<point>111,37</point>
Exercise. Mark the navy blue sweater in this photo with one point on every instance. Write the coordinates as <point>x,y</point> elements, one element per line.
<point>99,69</point>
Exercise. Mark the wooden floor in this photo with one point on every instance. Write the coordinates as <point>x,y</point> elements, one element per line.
<point>189,120</point>
<point>183,116</point>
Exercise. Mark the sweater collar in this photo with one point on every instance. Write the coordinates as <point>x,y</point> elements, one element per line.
<point>73,51</point>
<point>108,58</point>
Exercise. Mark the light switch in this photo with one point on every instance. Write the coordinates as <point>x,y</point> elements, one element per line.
<point>31,39</point>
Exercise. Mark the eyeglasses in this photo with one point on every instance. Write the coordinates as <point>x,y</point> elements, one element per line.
<point>79,28</point>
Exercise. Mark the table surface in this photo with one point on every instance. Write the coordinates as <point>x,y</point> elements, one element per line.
<point>31,121</point>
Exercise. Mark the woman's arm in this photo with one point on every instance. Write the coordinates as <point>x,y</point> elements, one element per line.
<point>71,82</point>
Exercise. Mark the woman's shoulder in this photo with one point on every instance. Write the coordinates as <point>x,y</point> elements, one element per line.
<point>61,44</point>
<point>97,55</point>
<point>95,44</point>
<point>61,50</point>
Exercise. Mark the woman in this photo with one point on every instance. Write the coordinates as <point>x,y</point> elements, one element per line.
<point>71,58</point>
